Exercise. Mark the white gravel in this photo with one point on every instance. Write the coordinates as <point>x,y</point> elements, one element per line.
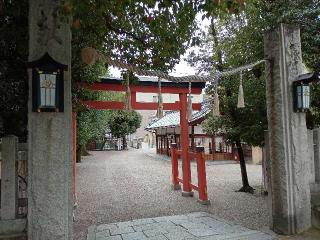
<point>121,186</point>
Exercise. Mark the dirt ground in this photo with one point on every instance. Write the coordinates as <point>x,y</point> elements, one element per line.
<point>114,186</point>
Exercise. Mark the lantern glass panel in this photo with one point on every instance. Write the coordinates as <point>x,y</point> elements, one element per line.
<point>299,96</point>
<point>47,90</point>
<point>306,96</point>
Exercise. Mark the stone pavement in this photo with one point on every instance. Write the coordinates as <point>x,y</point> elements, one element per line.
<point>197,225</point>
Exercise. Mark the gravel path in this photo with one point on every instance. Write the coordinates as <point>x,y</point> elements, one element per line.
<point>121,186</point>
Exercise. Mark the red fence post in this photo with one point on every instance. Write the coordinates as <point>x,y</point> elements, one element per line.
<point>175,169</point>
<point>202,177</point>
<point>184,143</point>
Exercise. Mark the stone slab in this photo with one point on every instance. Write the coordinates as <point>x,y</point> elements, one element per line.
<point>9,227</point>
<point>92,232</point>
<point>154,232</point>
<point>159,237</point>
<point>198,225</point>
<point>121,230</point>
<point>134,236</point>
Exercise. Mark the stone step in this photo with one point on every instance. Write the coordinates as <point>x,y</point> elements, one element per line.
<point>13,237</point>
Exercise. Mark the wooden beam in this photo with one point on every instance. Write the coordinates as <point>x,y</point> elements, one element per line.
<point>136,105</point>
<point>139,88</point>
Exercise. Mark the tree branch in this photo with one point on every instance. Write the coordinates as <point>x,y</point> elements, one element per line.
<point>122,31</point>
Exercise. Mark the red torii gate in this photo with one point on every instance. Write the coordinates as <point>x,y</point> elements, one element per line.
<point>181,88</point>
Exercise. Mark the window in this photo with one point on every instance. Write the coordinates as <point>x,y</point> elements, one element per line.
<point>47,90</point>
<point>155,99</point>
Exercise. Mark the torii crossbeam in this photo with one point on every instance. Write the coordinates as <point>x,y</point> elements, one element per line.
<point>114,84</point>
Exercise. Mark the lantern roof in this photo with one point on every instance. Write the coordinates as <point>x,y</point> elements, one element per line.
<point>308,77</point>
<point>46,59</point>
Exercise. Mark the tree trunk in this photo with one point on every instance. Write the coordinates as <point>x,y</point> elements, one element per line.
<point>218,56</point>
<point>102,146</point>
<point>245,183</point>
<point>84,151</point>
<point>124,142</point>
<point>78,160</point>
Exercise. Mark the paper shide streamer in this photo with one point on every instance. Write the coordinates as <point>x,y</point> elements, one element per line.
<point>240,94</point>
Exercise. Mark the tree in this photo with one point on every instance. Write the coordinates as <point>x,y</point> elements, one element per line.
<point>238,38</point>
<point>149,33</point>
<point>122,123</point>
<point>91,124</point>
<point>211,60</point>
<point>13,74</point>
<point>240,125</point>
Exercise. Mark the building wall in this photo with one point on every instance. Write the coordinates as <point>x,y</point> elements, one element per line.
<point>146,118</point>
<point>256,155</point>
<point>168,98</point>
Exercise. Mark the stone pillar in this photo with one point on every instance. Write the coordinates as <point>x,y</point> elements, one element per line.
<point>9,177</point>
<point>266,165</point>
<point>316,142</point>
<point>50,158</point>
<point>310,160</point>
<point>287,130</point>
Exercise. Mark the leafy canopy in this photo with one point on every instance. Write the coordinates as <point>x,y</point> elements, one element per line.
<point>246,124</point>
<point>240,40</point>
<point>122,122</point>
<point>13,74</point>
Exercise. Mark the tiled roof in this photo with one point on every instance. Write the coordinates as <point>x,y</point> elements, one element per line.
<point>205,109</point>
<point>172,118</point>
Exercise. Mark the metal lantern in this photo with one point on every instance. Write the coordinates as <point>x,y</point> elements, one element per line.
<point>301,91</point>
<point>47,84</point>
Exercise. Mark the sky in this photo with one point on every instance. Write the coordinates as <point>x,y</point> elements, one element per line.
<point>181,69</point>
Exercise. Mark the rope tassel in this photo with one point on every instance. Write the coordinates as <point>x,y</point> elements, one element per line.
<point>240,94</point>
<point>216,104</point>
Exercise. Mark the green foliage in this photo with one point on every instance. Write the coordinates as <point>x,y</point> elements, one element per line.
<point>240,40</point>
<point>13,74</point>
<point>152,34</point>
<point>247,124</point>
<point>313,116</point>
<point>122,122</point>
<point>263,15</point>
<point>91,124</point>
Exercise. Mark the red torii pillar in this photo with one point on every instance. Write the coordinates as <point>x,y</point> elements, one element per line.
<point>184,143</point>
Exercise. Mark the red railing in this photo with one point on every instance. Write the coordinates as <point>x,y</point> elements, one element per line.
<point>201,170</point>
